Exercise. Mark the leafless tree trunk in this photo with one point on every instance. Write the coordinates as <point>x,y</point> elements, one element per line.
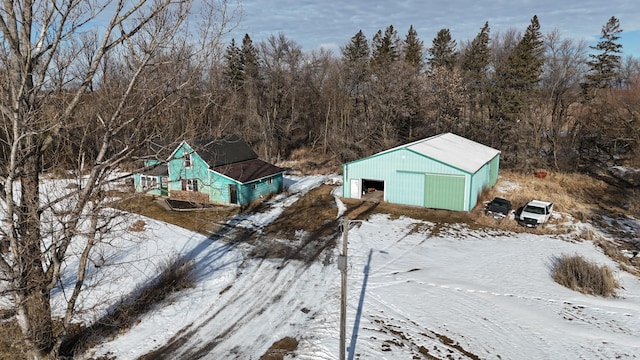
<point>564,70</point>
<point>56,60</point>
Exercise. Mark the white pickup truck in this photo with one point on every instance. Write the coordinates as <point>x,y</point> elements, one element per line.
<point>536,212</point>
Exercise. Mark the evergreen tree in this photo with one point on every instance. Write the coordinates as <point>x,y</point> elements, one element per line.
<point>412,96</point>
<point>413,48</point>
<point>385,48</point>
<point>443,51</point>
<point>604,65</point>
<point>355,56</point>
<point>355,70</point>
<point>357,50</point>
<point>250,59</point>
<point>515,87</point>
<point>529,55</point>
<point>516,79</point>
<point>477,57</point>
<point>234,66</point>
<point>475,65</point>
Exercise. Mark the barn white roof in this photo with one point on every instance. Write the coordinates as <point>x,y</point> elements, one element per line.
<point>454,150</point>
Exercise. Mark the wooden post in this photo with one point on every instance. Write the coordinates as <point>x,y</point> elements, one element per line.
<point>342,264</point>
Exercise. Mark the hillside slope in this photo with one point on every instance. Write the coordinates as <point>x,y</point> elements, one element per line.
<point>416,289</point>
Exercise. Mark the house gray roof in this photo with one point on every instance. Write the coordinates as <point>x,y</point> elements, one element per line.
<point>157,170</point>
<point>222,151</point>
<point>247,171</point>
<point>454,150</point>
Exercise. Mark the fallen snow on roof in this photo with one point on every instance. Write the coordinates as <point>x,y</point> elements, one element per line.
<point>456,151</point>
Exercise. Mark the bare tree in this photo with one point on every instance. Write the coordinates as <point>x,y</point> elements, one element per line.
<point>282,59</point>
<point>445,95</point>
<point>58,57</point>
<point>564,70</point>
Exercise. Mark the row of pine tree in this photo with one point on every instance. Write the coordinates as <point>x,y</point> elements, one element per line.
<point>543,100</point>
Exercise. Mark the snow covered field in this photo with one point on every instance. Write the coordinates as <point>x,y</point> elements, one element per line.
<point>415,290</point>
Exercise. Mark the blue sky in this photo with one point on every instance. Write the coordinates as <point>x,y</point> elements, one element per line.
<point>331,24</point>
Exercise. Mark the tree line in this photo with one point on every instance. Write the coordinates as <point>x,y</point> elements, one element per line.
<point>543,100</point>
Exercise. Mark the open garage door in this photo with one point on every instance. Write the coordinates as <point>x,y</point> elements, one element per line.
<point>373,190</point>
<point>444,191</point>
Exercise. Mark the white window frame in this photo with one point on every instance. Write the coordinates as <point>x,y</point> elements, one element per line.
<point>192,185</point>
<point>149,182</point>
<point>187,160</point>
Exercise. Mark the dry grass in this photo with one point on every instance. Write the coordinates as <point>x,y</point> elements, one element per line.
<point>202,221</point>
<point>12,347</point>
<point>280,349</point>
<point>571,193</point>
<point>173,277</point>
<point>311,162</point>
<point>576,273</point>
<point>137,226</point>
<point>581,196</point>
<point>309,213</point>
<point>614,251</point>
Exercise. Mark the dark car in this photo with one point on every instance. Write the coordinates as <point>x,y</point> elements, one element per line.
<point>498,208</point>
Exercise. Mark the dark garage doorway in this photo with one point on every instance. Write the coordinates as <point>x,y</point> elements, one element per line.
<point>373,189</point>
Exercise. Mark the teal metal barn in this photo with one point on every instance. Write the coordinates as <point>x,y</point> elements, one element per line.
<point>445,171</point>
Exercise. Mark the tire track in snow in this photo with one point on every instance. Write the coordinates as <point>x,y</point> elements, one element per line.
<point>250,288</point>
<point>465,302</point>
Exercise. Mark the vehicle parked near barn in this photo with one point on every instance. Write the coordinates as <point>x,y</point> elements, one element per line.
<point>535,212</point>
<point>499,208</point>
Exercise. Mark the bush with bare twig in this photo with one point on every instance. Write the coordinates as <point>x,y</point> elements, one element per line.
<point>576,273</point>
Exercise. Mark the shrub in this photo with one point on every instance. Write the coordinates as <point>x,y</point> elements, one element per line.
<point>576,273</point>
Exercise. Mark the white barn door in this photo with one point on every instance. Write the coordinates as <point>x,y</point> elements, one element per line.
<point>356,190</point>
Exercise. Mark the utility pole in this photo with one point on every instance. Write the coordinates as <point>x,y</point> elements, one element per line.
<point>342,265</point>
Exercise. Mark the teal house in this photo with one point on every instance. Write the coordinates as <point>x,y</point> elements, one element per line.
<point>211,171</point>
<point>445,171</point>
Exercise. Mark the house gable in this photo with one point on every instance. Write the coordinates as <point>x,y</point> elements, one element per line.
<point>189,176</point>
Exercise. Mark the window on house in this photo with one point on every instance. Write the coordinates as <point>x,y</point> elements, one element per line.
<point>253,186</point>
<point>149,182</point>
<point>187,160</point>
<point>269,181</point>
<point>189,185</point>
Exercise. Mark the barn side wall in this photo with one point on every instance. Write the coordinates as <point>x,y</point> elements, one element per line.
<point>484,178</point>
<point>403,172</point>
